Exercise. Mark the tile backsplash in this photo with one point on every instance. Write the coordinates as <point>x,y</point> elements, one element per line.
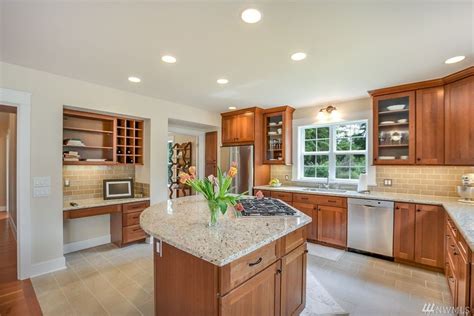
<point>86,181</point>
<point>426,180</point>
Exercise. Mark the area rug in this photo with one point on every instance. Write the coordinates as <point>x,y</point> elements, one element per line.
<point>325,252</point>
<point>318,301</point>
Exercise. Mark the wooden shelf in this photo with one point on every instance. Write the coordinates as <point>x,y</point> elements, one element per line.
<point>394,124</point>
<point>89,163</point>
<point>78,129</point>
<point>89,147</point>
<point>394,112</point>
<point>393,146</point>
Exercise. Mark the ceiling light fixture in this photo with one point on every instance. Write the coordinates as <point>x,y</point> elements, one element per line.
<point>134,79</point>
<point>328,113</point>
<point>251,16</point>
<point>222,81</point>
<point>454,59</point>
<point>298,56</point>
<point>232,108</point>
<point>168,59</point>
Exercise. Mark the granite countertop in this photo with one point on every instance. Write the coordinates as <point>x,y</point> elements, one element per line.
<point>182,223</point>
<point>86,203</point>
<point>461,213</point>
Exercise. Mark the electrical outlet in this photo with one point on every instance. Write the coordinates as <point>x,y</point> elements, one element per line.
<point>387,182</point>
<point>287,177</point>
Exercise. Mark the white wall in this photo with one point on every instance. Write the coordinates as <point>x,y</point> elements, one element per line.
<point>49,94</point>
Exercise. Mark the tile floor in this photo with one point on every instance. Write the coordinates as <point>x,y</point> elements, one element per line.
<point>106,280</point>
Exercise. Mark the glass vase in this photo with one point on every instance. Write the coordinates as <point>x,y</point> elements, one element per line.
<point>214,210</point>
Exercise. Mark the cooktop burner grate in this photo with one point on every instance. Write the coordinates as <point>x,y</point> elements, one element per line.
<point>265,207</point>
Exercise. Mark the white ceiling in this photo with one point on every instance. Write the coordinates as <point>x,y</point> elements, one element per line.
<point>352,46</point>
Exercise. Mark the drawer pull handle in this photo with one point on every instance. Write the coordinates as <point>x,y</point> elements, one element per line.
<point>304,198</point>
<point>251,264</point>
<point>332,201</point>
<point>137,229</point>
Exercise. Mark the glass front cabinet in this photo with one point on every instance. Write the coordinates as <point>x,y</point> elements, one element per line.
<point>277,129</point>
<point>394,129</point>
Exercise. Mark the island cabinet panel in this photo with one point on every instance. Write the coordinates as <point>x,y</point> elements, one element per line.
<point>292,240</point>
<point>308,209</point>
<point>293,281</point>
<point>259,296</point>
<point>404,231</point>
<point>184,284</point>
<point>429,235</point>
<point>459,111</point>
<point>332,225</point>
<point>430,126</point>
<point>242,269</point>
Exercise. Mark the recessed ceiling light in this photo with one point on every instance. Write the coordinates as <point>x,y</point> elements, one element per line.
<point>232,108</point>
<point>168,59</point>
<point>251,16</point>
<point>222,81</point>
<point>134,79</point>
<point>298,56</point>
<point>454,59</point>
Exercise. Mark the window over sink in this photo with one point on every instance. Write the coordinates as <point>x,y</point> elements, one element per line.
<point>336,151</point>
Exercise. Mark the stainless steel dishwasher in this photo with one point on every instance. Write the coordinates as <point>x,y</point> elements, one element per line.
<point>370,227</point>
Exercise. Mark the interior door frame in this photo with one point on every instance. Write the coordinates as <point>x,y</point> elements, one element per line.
<point>22,101</point>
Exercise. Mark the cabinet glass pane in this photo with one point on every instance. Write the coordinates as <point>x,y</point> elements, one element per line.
<point>274,130</point>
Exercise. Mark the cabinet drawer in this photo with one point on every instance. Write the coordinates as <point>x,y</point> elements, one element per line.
<point>135,206</point>
<point>284,196</point>
<point>130,219</point>
<point>94,211</point>
<point>332,201</point>
<point>451,282</point>
<point>133,233</point>
<point>293,240</point>
<point>242,269</point>
<point>452,228</point>
<point>305,198</point>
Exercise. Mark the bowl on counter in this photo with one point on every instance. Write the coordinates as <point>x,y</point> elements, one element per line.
<point>465,192</point>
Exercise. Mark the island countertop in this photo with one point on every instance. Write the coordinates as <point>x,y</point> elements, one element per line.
<point>182,223</point>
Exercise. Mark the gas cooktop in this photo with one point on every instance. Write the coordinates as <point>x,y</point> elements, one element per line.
<point>265,207</point>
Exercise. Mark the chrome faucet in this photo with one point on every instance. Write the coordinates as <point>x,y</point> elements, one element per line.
<point>326,185</point>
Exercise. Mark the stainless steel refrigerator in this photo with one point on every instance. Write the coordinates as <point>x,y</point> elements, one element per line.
<point>243,156</point>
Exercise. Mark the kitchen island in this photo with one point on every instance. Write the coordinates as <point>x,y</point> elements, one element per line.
<point>244,266</point>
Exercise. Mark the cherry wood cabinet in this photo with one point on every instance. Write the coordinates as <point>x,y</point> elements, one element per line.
<point>309,209</point>
<point>459,114</point>
<point>430,126</point>
<point>277,138</point>
<point>332,225</point>
<point>429,235</point>
<point>293,281</point>
<point>125,225</point>
<point>238,127</point>
<point>210,165</point>
<point>404,231</point>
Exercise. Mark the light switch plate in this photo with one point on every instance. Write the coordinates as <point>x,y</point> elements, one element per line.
<point>41,182</point>
<point>387,182</point>
<point>41,192</point>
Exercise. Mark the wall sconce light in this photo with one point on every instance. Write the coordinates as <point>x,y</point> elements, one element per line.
<point>327,113</point>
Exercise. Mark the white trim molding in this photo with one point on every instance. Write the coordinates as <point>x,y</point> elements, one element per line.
<point>88,243</point>
<point>48,266</point>
<point>22,101</point>
<point>3,208</point>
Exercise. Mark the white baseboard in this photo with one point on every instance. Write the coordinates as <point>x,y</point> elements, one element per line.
<point>48,266</point>
<point>88,243</point>
<point>3,208</point>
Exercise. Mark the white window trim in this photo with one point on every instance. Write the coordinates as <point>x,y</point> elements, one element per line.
<point>332,153</point>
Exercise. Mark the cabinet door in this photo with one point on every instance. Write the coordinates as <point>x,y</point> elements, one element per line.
<point>211,147</point>
<point>429,235</point>
<point>462,278</point>
<point>263,288</point>
<point>229,129</point>
<point>459,111</point>
<point>430,126</point>
<point>332,225</point>
<point>394,129</point>
<point>308,209</point>
<point>293,282</point>
<point>404,231</point>
<point>210,168</point>
<point>246,127</point>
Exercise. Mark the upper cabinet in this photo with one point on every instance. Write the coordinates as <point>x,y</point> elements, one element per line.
<point>459,111</point>
<point>425,123</point>
<point>238,127</point>
<point>277,128</point>
<point>394,128</point>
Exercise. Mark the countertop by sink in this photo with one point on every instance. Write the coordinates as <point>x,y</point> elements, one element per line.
<point>182,223</point>
<point>461,213</point>
<point>86,203</point>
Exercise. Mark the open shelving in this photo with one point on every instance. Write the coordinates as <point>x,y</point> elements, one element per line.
<point>129,141</point>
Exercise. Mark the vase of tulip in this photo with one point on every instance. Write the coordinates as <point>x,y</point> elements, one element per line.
<point>215,190</point>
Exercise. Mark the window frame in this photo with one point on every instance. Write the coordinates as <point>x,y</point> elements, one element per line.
<point>331,153</point>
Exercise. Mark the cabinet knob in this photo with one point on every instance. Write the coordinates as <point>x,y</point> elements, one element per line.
<point>397,208</point>
<point>418,210</point>
<point>375,159</point>
<point>418,159</point>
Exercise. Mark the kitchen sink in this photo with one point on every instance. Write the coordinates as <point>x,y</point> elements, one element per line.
<point>324,190</point>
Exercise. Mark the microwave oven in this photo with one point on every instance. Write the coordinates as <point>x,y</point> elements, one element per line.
<point>118,189</point>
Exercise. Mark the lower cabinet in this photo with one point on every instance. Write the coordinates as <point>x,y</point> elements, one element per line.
<point>263,288</point>
<point>332,225</point>
<point>125,226</point>
<point>293,281</point>
<point>309,209</point>
<point>419,234</point>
